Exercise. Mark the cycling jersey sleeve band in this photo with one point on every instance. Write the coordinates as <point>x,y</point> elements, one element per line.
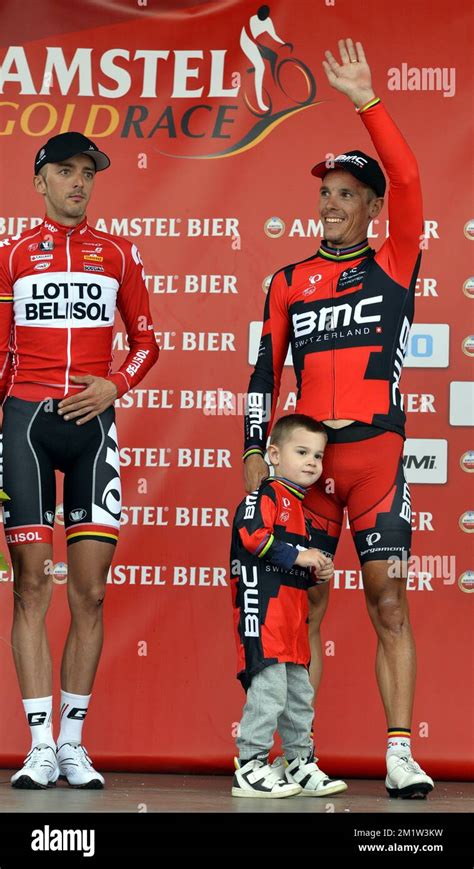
<point>368,105</point>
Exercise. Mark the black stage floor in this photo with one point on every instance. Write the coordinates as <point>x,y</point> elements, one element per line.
<point>135,792</point>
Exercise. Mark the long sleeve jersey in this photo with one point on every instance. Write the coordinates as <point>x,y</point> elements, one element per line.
<point>60,287</point>
<point>346,313</point>
<point>269,593</point>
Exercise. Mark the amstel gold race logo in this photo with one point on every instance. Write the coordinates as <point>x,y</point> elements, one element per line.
<point>174,87</point>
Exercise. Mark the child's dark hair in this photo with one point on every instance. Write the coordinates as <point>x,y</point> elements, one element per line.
<point>284,427</point>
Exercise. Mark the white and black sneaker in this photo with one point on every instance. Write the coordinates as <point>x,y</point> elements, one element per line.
<point>312,780</point>
<point>75,767</point>
<point>40,769</point>
<point>406,779</point>
<point>258,779</point>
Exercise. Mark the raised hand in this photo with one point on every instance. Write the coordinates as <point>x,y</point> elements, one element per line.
<point>352,75</point>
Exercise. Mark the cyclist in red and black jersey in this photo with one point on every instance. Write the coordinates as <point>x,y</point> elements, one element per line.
<point>60,286</point>
<point>346,312</point>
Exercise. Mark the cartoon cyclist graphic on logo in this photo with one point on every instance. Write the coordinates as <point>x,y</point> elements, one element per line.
<point>292,76</point>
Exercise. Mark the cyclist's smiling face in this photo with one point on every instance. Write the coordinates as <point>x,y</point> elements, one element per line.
<point>346,207</point>
<point>67,188</point>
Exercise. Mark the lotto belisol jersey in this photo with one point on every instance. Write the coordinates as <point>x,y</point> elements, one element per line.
<point>269,593</point>
<point>59,290</point>
<point>346,313</point>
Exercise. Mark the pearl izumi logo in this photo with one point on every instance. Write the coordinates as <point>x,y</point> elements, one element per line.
<point>217,99</point>
<point>374,538</point>
<point>50,839</point>
<point>466,581</point>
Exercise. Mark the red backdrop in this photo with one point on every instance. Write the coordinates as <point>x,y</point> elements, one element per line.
<point>165,90</point>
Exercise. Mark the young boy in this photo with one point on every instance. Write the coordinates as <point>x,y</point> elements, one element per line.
<point>271,571</point>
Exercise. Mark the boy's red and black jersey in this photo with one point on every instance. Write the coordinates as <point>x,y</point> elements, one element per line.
<point>346,313</point>
<point>269,594</point>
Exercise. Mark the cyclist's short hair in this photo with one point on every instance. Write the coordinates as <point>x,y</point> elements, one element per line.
<point>263,12</point>
<point>286,425</point>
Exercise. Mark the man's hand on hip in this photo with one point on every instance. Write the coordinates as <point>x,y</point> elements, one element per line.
<point>98,395</point>
<point>352,76</point>
<point>255,471</point>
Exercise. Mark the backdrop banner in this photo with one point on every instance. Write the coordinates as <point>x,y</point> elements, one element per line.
<point>210,177</point>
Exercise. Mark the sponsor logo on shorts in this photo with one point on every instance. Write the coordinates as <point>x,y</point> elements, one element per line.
<point>374,538</point>
<point>49,516</point>
<point>466,581</point>
<point>77,514</point>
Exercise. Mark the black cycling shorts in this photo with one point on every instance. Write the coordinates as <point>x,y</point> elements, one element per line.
<point>363,471</point>
<point>36,443</point>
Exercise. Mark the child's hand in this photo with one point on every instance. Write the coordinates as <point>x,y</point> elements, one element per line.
<point>312,558</point>
<point>324,574</point>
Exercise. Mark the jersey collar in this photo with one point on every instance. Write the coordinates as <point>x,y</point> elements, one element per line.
<point>294,488</point>
<point>344,253</point>
<point>54,227</point>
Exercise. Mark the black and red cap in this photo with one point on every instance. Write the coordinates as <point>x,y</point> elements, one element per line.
<point>66,145</point>
<point>360,165</point>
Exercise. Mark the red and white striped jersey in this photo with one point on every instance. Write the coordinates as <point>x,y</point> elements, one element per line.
<point>60,287</point>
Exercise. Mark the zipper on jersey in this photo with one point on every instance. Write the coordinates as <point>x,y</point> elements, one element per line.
<point>68,358</point>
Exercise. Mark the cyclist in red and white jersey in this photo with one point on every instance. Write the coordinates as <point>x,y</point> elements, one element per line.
<point>60,286</point>
<point>347,311</point>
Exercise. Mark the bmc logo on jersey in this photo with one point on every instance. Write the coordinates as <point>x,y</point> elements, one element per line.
<point>426,460</point>
<point>336,316</point>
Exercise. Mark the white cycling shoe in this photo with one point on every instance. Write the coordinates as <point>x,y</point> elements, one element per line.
<point>312,780</point>
<point>406,779</point>
<point>75,767</point>
<point>257,779</point>
<point>40,769</point>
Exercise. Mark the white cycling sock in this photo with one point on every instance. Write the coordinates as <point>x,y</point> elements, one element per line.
<point>73,712</point>
<point>39,714</point>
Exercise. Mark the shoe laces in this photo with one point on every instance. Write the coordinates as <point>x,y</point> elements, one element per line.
<point>34,757</point>
<point>80,755</point>
<point>409,764</point>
